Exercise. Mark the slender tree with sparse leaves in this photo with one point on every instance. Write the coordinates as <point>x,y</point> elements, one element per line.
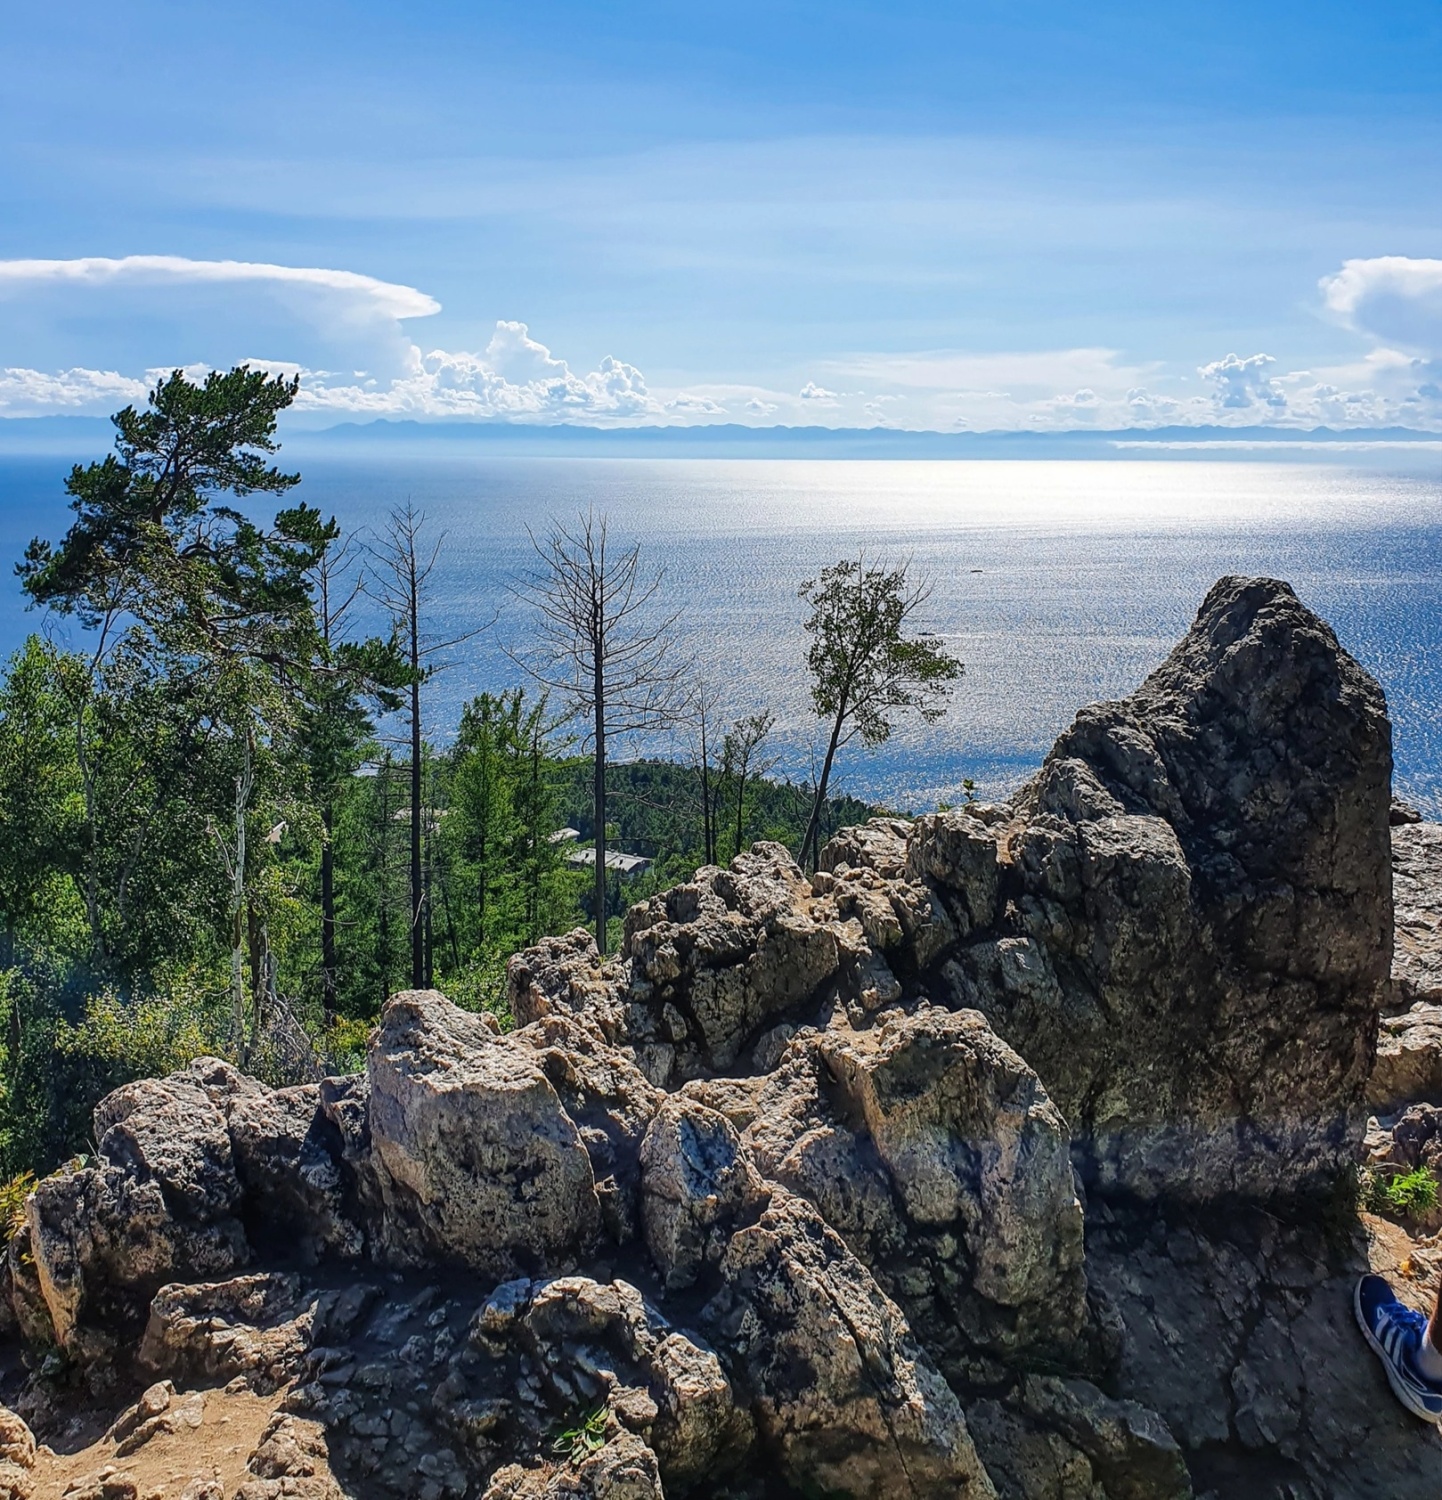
<point>865,669</point>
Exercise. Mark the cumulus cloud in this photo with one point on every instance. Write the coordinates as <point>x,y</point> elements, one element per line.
<point>1244,384</point>
<point>813,392</point>
<point>515,378</point>
<point>34,393</point>
<point>1394,299</point>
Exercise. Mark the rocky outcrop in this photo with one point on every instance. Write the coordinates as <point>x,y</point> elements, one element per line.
<point>1203,888</point>
<point>998,1156</point>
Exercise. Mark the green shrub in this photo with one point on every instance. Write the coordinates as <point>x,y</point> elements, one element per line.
<point>12,1203</point>
<point>148,1036</point>
<point>587,1436</point>
<point>1396,1194</point>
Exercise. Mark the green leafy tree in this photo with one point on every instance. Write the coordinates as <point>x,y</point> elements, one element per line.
<point>206,606</point>
<point>865,669</point>
<point>39,795</point>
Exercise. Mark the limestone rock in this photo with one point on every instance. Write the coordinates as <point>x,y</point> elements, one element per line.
<point>286,1159</point>
<point>480,1163</point>
<point>1204,868</point>
<point>623,1469</point>
<point>170,1131</point>
<point>566,975</point>
<point>104,1241</point>
<point>258,1327</point>
<point>843,1394</point>
<point>972,1143</point>
<point>933,1150</point>
<point>611,1102</point>
<point>1409,1059</point>
<point>291,1462</point>
<point>1417,897</point>
<point>718,960</point>
<point>958,851</point>
<point>17,1442</point>
<point>1243,1340</point>
<point>697,1183</point>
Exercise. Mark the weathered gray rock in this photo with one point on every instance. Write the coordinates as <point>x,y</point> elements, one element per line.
<point>661,1384</point>
<point>933,1150</point>
<point>479,1162</point>
<point>1409,1059</point>
<point>291,1462</point>
<point>716,961</point>
<point>611,1102</point>
<point>843,1395</point>
<point>698,1183</point>
<point>958,851</point>
<point>1054,1439</point>
<point>567,976</point>
<point>1204,872</point>
<point>104,1240</point>
<point>1417,898</point>
<point>258,1327</point>
<point>1245,1344</point>
<point>286,1158</point>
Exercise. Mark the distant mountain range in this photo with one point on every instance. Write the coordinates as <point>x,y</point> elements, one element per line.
<point>80,436</point>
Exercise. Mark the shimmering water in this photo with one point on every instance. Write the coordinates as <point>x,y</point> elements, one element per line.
<point>1057,583</point>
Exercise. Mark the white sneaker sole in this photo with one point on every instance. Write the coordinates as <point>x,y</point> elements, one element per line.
<point>1399,1389</point>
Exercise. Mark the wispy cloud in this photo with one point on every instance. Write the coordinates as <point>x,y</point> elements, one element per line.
<point>385,298</point>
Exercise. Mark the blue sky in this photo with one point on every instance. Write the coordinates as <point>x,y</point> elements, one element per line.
<point>940,216</point>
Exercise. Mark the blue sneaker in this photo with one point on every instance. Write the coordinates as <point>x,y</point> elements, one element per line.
<point>1395,1332</point>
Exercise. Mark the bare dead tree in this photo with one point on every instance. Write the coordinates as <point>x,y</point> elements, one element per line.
<point>702,717</point>
<point>602,647</point>
<point>405,560</point>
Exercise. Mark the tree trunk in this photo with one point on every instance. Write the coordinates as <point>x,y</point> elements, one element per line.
<point>383,882</point>
<point>808,844</point>
<point>418,946</point>
<point>598,804</point>
<point>708,816</point>
<point>327,913</point>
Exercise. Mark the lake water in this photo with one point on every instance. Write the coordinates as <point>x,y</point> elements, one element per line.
<point>1057,583</point>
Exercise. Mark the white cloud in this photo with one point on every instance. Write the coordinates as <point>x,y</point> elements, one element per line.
<point>34,393</point>
<point>691,405</point>
<point>1244,384</point>
<point>515,378</point>
<point>1395,299</point>
<point>347,336</point>
<point>385,298</point>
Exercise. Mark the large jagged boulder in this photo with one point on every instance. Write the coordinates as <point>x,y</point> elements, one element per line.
<point>933,1150</point>
<point>843,1394</point>
<point>477,1159</point>
<point>715,961</point>
<point>161,1203</point>
<point>1204,917</point>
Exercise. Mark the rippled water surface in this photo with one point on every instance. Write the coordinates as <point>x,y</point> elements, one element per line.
<point>1057,583</point>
